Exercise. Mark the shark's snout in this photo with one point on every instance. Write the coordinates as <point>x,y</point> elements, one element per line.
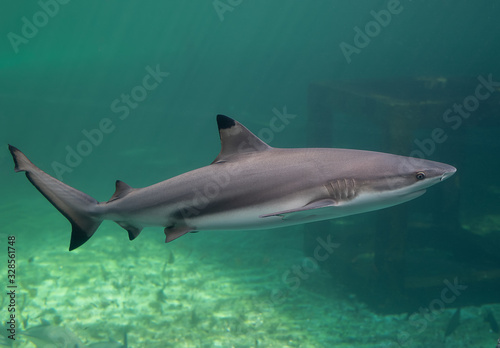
<point>449,172</point>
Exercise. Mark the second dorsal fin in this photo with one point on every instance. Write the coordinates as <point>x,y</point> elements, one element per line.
<point>122,190</point>
<point>236,139</point>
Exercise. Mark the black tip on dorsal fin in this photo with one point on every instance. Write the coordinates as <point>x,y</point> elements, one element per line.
<point>236,139</point>
<point>224,122</point>
<point>122,190</point>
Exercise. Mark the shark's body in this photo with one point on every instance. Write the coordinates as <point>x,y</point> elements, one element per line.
<point>250,185</point>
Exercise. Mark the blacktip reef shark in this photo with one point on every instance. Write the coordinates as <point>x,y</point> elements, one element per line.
<point>249,185</point>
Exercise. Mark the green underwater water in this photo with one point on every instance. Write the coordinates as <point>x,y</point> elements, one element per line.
<point>98,91</point>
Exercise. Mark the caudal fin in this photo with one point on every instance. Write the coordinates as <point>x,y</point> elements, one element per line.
<point>78,207</point>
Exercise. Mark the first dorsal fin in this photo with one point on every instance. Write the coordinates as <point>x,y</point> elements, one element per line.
<point>122,190</point>
<point>236,139</point>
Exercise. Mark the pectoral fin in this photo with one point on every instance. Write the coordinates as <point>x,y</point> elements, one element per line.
<point>175,232</point>
<point>310,209</point>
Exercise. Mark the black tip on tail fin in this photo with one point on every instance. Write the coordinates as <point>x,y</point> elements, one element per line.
<point>79,236</point>
<point>78,207</point>
<point>13,151</point>
<point>21,162</point>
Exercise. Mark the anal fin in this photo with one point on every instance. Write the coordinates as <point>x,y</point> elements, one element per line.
<point>133,231</point>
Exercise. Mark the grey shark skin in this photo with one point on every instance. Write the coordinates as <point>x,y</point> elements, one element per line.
<point>250,185</point>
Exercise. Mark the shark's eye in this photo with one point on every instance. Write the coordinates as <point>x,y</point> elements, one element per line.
<point>420,176</point>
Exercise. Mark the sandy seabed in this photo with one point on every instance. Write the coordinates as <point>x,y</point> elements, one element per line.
<point>210,289</point>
